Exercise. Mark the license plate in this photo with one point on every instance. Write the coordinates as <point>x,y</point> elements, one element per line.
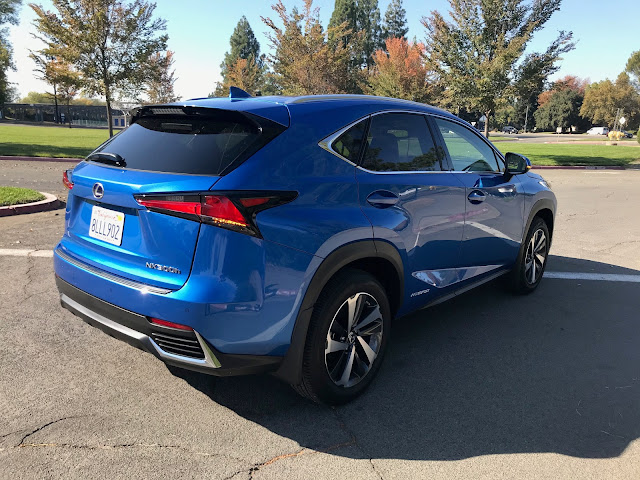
<point>106,225</point>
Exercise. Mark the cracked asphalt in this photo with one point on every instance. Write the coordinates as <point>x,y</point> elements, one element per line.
<point>485,386</point>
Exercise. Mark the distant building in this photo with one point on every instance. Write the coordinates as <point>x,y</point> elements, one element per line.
<point>81,115</point>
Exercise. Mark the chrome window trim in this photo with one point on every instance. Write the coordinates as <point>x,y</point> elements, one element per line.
<point>326,142</point>
<point>110,276</point>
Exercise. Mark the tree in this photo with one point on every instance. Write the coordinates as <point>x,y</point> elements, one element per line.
<point>37,97</point>
<point>603,99</point>
<point>8,14</point>
<point>246,74</point>
<point>303,61</point>
<point>109,42</point>
<point>476,53</point>
<point>395,21</point>
<point>401,72</point>
<point>633,67</point>
<point>361,32</point>
<point>244,45</point>
<point>159,88</point>
<point>561,110</point>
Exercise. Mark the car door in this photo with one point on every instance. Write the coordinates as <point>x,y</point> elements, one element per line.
<point>494,213</point>
<point>412,200</point>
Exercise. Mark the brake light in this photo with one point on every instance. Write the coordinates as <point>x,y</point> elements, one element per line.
<point>67,178</point>
<point>234,211</point>
<point>164,323</point>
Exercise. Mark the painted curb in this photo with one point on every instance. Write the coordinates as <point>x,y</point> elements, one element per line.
<point>39,159</point>
<point>49,203</point>
<point>579,167</point>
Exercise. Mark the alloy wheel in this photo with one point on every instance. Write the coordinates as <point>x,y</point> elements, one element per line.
<point>354,339</point>
<point>535,257</point>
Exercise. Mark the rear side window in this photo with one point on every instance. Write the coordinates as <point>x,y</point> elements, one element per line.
<point>400,142</point>
<point>193,144</point>
<point>349,143</point>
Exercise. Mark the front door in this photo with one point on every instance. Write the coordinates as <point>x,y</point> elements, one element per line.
<point>494,213</point>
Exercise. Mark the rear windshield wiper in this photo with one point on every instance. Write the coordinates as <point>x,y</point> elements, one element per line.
<point>109,158</point>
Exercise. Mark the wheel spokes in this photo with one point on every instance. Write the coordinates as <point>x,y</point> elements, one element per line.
<point>373,316</point>
<point>354,305</point>
<point>335,346</point>
<point>346,373</point>
<point>351,351</point>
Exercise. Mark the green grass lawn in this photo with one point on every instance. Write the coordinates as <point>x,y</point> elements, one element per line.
<point>36,141</point>
<point>18,196</point>
<point>576,154</point>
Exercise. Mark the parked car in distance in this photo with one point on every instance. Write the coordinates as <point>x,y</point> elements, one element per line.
<point>285,234</point>
<point>509,129</point>
<point>627,134</point>
<point>598,131</point>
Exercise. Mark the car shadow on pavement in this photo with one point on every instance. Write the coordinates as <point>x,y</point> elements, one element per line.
<point>485,373</point>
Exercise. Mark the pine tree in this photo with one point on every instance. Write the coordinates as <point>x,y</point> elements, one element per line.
<point>304,62</point>
<point>395,21</point>
<point>360,16</point>
<point>244,46</point>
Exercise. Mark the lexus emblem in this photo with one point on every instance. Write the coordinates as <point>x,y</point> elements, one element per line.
<point>98,190</point>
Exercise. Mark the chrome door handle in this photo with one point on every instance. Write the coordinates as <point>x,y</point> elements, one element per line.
<point>476,196</point>
<point>382,199</point>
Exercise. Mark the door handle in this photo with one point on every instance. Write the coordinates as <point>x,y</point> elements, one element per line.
<point>476,197</point>
<point>382,199</point>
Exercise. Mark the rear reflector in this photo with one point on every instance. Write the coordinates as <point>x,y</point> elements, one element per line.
<point>164,323</point>
<point>234,211</point>
<point>67,178</point>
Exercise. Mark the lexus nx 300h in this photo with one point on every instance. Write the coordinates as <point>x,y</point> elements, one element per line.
<point>284,234</point>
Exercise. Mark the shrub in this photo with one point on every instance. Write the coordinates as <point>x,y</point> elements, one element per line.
<point>638,135</point>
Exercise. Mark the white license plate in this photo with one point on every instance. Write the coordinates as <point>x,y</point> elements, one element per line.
<point>106,225</point>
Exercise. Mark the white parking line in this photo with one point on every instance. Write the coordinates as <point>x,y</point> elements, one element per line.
<point>24,252</point>
<point>603,277</point>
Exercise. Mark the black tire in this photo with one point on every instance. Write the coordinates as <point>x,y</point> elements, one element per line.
<point>317,383</point>
<point>520,279</point>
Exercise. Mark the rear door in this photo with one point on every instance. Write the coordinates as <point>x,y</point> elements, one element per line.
<point>170,152</point>
<point>412,201</point>
<point>494,201</point>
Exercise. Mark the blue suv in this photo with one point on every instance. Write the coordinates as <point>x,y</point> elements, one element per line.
<point>283,234</point>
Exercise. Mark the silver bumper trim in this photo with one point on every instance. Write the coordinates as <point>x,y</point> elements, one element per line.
<point>110,276</point>
<point>209,361</point>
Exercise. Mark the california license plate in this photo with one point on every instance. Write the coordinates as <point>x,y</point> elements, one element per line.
<point>106,225</point>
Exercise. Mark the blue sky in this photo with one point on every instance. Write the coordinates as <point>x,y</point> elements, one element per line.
<point>199,32</point>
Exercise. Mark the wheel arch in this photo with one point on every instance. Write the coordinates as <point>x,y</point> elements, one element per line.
<point>375,257</point>
<point>544,208</point>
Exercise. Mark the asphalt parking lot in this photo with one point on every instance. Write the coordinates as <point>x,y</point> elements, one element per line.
<point>488,385</point>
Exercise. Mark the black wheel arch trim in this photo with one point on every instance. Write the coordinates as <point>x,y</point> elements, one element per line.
<point>291,367</point>
<point>540,204</point>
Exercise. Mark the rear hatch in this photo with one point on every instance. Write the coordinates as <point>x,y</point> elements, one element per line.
<point>166,151</point>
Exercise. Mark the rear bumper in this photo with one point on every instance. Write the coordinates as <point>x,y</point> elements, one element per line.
<point>136,330</point>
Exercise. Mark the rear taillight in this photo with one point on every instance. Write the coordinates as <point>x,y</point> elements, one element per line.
<point>67,178</point>
<point>234,210</point>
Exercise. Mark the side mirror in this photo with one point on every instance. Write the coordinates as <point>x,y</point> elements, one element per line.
<point>517,164</point>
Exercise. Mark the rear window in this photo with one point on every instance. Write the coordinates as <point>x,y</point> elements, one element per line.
<point>193,144</point>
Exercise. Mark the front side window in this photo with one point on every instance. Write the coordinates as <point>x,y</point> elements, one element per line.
<point>467,151</point>
<point>400,142</point>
